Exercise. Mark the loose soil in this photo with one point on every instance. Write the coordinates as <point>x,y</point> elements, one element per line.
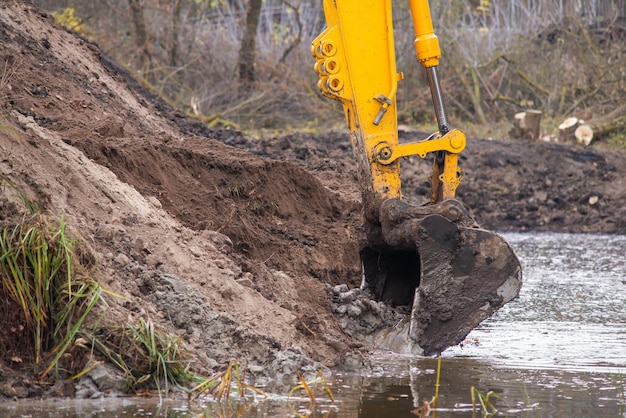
<point>241,245</point>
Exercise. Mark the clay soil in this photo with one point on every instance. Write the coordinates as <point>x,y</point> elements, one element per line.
<point>229,240</point>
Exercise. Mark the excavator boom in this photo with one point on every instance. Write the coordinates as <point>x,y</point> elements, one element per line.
<point>432,257</point>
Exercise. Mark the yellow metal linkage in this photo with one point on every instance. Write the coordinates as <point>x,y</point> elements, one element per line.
<point>356,63</point>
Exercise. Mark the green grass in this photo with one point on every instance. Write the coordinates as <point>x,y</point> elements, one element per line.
<point>38,276</point>
<point>48,293</point>
<point>484,404</point>
<point>148,356</point>
<point>46,298</point>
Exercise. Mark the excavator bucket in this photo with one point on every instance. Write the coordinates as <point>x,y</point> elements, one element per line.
<point>451,277</point>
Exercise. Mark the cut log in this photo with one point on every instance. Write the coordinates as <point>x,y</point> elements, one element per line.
<point>583,134</point>
<point>526,125</point>
<point>567,129</point>
<point>609,125</point>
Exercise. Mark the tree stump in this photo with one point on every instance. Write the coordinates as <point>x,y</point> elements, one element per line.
<point>575,131</point>
<point>533,123</point>
<point>566,130</point>
<point>526,125</point>
<point>519,128</point>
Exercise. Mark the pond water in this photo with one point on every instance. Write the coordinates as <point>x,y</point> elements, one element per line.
<point>559,350</point>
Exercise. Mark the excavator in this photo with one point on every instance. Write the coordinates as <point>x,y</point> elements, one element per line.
<point>430,257</point>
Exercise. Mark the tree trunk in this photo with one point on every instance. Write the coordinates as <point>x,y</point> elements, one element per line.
<point>176,11</point>
<point>298,39</point>
<point>247,53</point>
<point>141,34</point>
<point>611,124</point>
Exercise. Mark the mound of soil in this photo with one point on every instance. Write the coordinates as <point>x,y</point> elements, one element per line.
<point>509,185</point>
<point>228,240</point>
<point>228,249</point>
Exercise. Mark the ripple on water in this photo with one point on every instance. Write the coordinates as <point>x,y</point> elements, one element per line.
<point>571,312</point>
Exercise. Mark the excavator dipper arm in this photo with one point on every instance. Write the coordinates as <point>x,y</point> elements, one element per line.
<point>432,258</point>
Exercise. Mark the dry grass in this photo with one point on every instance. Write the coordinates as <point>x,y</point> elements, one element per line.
<point>222,384</point>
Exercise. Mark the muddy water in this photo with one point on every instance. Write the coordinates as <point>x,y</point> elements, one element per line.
<point>557,351</point>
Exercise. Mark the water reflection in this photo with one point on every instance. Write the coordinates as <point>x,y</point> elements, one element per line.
<point>520,392</point>
<point>559,350</point>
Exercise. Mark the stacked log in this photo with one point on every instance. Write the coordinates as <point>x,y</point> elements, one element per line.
<point>584,134</point>
<point>574,130</point>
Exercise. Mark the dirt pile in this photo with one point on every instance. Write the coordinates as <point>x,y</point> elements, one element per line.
<point>232,241</point>
<point>226,248</point>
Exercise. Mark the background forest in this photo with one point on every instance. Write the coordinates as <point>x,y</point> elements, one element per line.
<point>247,63</point>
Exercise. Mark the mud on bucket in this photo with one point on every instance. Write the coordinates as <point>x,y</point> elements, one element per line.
<point>450,277</point>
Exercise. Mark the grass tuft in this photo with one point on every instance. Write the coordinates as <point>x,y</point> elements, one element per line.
<point>145,354</point>
<point>46,295</point>
<point>49,290</point>
<point>309,387</point>
<point>486,407</point>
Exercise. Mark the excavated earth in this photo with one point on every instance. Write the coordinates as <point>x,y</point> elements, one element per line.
<point>245,247</point>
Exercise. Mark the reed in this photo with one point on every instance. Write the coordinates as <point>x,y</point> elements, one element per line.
<point>486,407</point>
<point>223,383</point>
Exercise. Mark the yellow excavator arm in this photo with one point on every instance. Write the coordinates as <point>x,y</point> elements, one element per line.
<point>411,251</point>
<point>357,65</point>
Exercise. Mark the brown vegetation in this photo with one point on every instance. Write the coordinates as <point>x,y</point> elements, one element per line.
<point>500,58</point>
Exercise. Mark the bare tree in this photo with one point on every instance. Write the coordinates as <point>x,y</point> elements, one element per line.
<point>298,38</point>
<point>247,53</point>
<point>500,57</point>
<point>141,34</point>
<point>177,8</point>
